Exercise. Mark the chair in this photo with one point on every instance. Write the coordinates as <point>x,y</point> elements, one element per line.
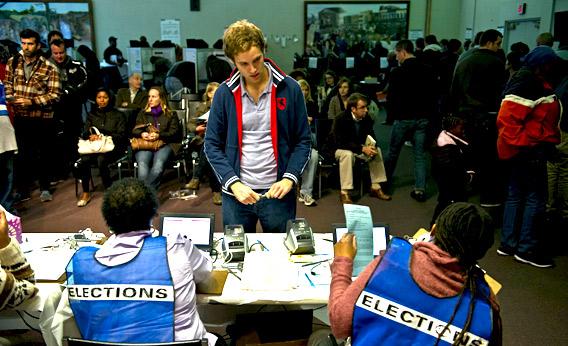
<point>178,162</point>
<point>119,163</point>
<point>82,342</point>
<point>323,133</point>
<point>358,168</point>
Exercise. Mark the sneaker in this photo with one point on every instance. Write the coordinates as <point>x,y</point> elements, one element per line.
<point>301,197</point>
<point>21,197</point>
<point>490,205</point>
<point>193,184</point>
<point>418,195</point>
<point>45,196</point>
<point>504,250</point>
<point>309,201</point>
<point>534,260</point>
<point>55,182</point>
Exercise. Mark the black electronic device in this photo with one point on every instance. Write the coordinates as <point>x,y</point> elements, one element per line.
<point>299,237</point>
<point>381,235</point>
<point>234,243</point>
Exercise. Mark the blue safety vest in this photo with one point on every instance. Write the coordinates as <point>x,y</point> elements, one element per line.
<point>132,302</point>
<point>393,309</point>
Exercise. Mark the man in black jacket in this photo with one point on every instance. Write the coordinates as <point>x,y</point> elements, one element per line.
<point>411,100</point>
<point>68,112</point>
<point>476,91</point>
<point>355,139</point>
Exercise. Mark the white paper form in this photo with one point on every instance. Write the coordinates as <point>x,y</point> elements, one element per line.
<point>359,222</point>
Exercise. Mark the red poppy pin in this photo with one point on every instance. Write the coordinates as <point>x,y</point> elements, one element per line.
<point>281,103</point>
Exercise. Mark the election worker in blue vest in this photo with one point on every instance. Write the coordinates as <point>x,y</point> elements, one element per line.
<point>426,293</point>
<point>136,288</point>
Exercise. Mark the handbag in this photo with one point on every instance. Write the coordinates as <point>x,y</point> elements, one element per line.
<point>102,145</point>
<point>138,143</point>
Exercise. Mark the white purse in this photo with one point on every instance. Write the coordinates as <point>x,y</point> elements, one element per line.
<point>102,145</point>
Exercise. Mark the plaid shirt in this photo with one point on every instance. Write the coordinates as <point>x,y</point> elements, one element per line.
<point>43,87</point>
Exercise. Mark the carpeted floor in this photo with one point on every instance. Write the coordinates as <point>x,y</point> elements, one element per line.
<point>534,301</point>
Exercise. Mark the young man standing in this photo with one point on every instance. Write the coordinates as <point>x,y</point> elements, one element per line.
<point>33,87</point>
<point>258,139</point>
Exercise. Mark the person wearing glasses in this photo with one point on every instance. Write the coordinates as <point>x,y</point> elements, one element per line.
<point>353,138</point>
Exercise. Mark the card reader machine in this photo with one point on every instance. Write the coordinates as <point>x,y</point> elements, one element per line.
<point>299,237</point>
<point>234,244</point>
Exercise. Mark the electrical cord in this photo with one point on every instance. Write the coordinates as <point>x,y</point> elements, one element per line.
<point>215,253</point>
<point>258,242</point>
<point>32,316</point>
<point>26,322</point>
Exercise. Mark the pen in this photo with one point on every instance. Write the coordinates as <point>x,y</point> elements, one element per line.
<point>312,263</point>
<point>309,280</point>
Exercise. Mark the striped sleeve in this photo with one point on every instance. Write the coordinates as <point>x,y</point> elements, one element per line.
<point>16,277</point>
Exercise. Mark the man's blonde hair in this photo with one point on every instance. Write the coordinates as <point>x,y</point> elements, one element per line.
<point>240,37</point>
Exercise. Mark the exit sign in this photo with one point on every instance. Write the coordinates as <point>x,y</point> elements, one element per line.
<point>522,8</point>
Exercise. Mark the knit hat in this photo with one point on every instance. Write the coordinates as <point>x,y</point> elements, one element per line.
<point>541,55</point>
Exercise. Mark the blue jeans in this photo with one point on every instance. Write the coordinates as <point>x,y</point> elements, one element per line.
<point>309,174</point>
<point>6,179</point>
<point>525,205</point>
<point>151,165</point>
<point>401,131</point>
<point>272,213</point>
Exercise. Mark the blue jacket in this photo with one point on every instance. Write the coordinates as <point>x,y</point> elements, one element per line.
<point>290,138</point>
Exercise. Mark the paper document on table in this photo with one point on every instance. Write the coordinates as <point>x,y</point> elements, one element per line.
<point>359,222</point>
<point>49,265</point>
<point>266,271</point>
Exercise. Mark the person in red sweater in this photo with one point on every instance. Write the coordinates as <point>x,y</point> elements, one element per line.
<point>442,269</point>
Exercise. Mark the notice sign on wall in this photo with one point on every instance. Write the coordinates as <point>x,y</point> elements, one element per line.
<point>170,30</point>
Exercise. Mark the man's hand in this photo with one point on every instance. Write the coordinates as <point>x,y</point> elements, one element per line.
<point>124,104</point>
<point>280,188</point>
<point>370,151</point>
<point>200,130</point>
<point>22,102</point>
<point>244,194</point>
<point>145,135</point>
<point>346,246</point>
<point>4,237</point>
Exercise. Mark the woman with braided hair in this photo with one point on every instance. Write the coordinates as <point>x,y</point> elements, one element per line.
<point>426,293</point>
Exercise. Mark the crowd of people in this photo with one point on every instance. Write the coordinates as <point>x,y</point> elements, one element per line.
<point>486,118</point>
<point>53,100</point>
<point>490,123</point>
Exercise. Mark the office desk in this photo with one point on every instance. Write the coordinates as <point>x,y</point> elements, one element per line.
<point>304,293</point>
<point>215,310</point>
